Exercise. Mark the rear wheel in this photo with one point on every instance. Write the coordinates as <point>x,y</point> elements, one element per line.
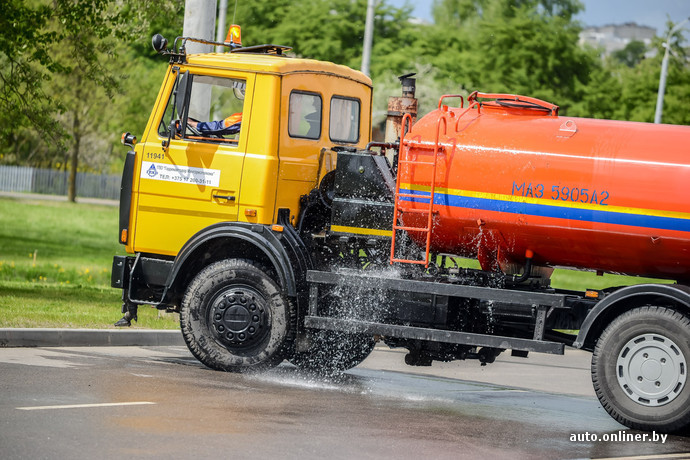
<point>332,352</point>
<point>640,367</point>
<point>234,318</point>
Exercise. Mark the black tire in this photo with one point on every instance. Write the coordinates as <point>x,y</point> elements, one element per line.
<point>234,318</point>
<point>331,353</point>
<point>639,369</point>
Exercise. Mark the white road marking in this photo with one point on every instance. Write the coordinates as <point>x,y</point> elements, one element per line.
<point>81,406</point>
<point>649,457</point>
<point>40,357</point>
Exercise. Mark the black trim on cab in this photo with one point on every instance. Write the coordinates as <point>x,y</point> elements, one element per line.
<point>126,195</point>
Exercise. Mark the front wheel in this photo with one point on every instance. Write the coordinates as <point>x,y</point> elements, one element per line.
<point>640,367</point>
<point>234,318</point>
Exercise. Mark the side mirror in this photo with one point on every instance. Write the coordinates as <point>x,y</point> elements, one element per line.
<point>175,129</point>
<point>160,44</point>
<point>128,139</point>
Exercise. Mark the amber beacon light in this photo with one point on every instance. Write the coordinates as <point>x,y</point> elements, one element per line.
<point>234,35</point>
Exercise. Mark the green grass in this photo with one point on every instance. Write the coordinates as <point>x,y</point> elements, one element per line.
<point>578,280</point>
<point>55,260</point>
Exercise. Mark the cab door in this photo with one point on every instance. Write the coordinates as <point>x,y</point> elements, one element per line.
<point>190,178</point>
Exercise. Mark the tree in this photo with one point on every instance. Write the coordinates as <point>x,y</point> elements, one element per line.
<point>600,97</point>
<point>60,68</point>
<point>457,13</point>
<point>632,54</point>
<point>44,43</point>
<point>24,65</point>
<point>640,85</point>
<point>329,30</point>
<point>515,46</point>
<point>90,81</point>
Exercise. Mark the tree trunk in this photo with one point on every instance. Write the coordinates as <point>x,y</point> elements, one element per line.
<point>76,140</point>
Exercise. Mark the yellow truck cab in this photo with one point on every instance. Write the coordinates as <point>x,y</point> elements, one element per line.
<point>292,112</point>
<point>234,148</point>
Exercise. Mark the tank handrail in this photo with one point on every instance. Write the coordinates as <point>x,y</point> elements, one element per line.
<point>457,120</point>
<point>513,101</point>
<point>443,119</point>
<point>440,101</point>
<point>406,123</point>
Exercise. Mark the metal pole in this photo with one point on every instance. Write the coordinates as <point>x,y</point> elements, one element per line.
<point>200,22</point>
<point>662,86</point>
<point>368,36</point>
<point>220,31</point>
<point>664,71</point>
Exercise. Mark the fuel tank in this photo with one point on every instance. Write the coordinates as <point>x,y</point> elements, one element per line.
<point>510,177</point>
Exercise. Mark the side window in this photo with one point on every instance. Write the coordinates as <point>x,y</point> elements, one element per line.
<point>168,116</point>
<point>215,109</point>
<point>344,121</point>
<point>305,115</point>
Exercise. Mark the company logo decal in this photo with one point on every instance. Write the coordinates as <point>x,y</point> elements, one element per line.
<point>152,171</point>
<point>180,174</point>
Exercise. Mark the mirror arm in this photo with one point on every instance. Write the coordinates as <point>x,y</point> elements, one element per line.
<point>174,126</point>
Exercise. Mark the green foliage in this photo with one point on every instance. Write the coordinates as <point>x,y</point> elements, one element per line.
<point>601,96</point>
<point>626,85</point>
<point>76,73</point>
<point>514,46</point>
<point>32,32</point>
<point>527,52</point>
<point>457,13</point>
<point>329,30</point>
<point>146,18</point>
<point>632,54</point>
<point>62,69</point>
<point>24,65</point>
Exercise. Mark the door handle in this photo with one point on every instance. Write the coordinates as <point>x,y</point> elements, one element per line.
<point>225,197</point>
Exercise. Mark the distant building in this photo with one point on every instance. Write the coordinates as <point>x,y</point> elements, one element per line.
<point>614,37</point>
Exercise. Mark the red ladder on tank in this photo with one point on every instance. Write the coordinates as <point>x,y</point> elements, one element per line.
<point>403,160</point>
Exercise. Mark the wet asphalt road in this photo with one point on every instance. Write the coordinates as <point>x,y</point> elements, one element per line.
<point>161,403</point>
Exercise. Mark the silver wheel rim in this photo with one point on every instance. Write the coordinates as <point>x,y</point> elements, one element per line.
<point>651,370</point>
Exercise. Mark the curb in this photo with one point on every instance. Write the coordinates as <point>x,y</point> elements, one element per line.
<point>40,337</point>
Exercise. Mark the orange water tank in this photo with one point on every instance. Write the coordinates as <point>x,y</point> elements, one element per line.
<point>512,176</point>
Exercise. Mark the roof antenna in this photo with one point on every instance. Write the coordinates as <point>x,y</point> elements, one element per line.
<point>220,30</point>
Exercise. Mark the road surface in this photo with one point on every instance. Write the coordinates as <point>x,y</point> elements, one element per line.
<point>159,402</point>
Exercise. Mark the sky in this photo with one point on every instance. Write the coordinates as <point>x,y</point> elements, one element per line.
<point>651,13</point>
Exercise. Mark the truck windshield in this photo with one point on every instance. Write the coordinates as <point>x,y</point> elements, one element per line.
<point>213,110</point>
